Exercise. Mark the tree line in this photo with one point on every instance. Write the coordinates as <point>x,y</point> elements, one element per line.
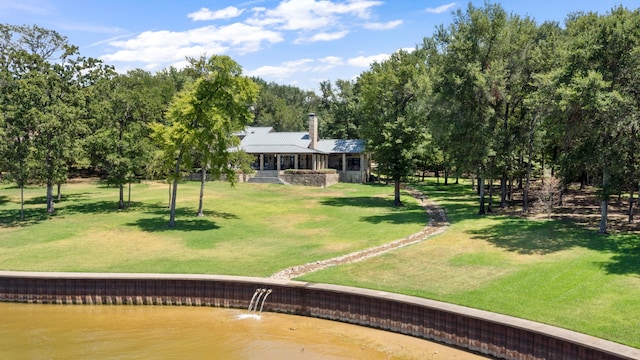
<point>492,95</point>
<point>499,96</point>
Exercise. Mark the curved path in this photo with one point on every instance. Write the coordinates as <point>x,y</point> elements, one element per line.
<point>437,224</point>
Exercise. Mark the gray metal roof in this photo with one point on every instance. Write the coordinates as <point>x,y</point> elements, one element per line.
<point>257,140</point>
<point>341,146</point>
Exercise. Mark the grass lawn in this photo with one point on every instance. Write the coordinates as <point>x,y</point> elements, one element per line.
<point>253,229</point>
<point>545,270</point>
<point>548,271</point>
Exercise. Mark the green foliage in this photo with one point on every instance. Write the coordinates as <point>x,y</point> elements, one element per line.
<point>203,117</point>
<point>283,107</point>
<point>390,101</point>
<point>338,110</point>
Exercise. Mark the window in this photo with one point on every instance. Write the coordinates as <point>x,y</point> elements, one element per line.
<point>353,164</point>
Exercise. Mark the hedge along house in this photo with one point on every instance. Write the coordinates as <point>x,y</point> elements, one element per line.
<point>276,152</point>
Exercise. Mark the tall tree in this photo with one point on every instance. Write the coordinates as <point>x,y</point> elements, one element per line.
<point>124,106</point>
<point>471,87</point>
<point>284,107</point>
<point>598,91</point>
<point>339,110</point>
<point>203,117</point>
<point>42,102</point>
<point>392,102</point>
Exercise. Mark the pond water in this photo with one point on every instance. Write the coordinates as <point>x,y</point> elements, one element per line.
<point>157,332</point>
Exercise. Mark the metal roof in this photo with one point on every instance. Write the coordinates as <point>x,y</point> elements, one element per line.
<point>256,140</point>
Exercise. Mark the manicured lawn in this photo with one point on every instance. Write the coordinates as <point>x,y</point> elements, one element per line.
<point>253,229</point>
<point>547,271</point>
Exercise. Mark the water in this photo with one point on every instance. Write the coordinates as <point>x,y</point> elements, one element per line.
<point>162,332</point>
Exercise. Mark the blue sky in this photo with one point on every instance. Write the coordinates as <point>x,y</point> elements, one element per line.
<point>297,42</point>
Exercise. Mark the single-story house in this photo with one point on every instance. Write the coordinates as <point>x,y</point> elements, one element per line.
<point>278,151</point>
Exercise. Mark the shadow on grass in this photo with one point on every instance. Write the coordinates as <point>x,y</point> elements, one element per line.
<point>531,237</point>
<point>3,199</point>
<point>161,224</point>
<point>186,220</point>
<point>96,207</point>
<point>359,201</point>
<point>626,258</point>
<point>11,218</point>
<point>42,200</point>
<point>409,213</point>
<point>542,237</point>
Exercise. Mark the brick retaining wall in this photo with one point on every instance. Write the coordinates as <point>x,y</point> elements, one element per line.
<point>480,331</point>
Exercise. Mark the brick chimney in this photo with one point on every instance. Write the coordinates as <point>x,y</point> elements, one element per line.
<point>313,131</point>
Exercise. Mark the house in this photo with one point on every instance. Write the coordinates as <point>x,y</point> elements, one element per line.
<point>278,151</point>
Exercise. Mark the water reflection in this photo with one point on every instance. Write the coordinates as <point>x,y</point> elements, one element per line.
<point>156,332</point>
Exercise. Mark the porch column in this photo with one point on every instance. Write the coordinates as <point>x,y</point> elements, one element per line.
<point>278,162</point>
<point>295,161</point>
<point>344,162</point>
<point>313,162</point>
<point>261,162</point>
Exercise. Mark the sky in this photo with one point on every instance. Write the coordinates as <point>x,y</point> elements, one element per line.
<point>291,42</point>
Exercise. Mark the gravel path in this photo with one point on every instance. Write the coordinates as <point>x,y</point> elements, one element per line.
<point>437,224</point>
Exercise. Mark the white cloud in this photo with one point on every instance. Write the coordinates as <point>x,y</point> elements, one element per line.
<point>440,9</point>
<point>283,71</point>
<point>206,14</point>
<point>332,60</point>
<point>323,36</point>
<point>169,46</point>
<point>366,61</point>
<point>311,14</point>
<point>383,26</point>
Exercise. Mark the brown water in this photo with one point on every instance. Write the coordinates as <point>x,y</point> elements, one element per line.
<point>156,332</point>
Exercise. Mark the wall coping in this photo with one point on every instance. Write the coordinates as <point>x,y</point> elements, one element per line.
<point>585,340</point>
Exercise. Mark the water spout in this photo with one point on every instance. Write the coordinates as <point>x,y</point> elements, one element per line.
<point>253,298</point>
<point>264,299</point>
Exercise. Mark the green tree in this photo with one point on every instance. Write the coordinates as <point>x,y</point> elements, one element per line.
<point>203,117</point>
<point>42,103</point>
<point>471,87</point>
<point>392,103</point>
<point>598,93</point>
<point>124,106</point>
<point>339,110</point>
<point>283,107</point>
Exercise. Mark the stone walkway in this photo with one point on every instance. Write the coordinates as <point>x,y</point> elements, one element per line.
<point>437,224</point>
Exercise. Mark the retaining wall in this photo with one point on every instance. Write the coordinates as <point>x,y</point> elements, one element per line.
<point>479,331</point>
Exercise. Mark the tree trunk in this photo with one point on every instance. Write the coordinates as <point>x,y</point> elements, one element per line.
<point>50,207</point>
<point>170,197</point>
<point>604,204</point>
<point>120,196</point>
<point>22,203</point>
<point>503,190</point>
<point>490,207</point>
<point>203,178</point>
<point>59,193</point>
<point>174,194</point>
<point>129,197</point>
<point>446,176</point>
<point>525,194</point>
<point>481,192</point>
<point>396,194</point>
<point>631,206</point>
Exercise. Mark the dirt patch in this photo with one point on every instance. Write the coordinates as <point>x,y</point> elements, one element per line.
<point>582,208</point>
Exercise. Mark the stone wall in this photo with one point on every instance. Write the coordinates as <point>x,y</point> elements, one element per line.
<point>487,333</point>
<point>317,180</point>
